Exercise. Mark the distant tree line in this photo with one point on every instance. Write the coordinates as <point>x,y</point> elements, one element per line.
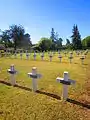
<point>54,42</point>
<point>16,37</point>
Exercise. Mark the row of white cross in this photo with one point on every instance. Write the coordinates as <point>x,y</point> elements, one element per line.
<point>50,53</point>
<point>34,75</point>
<point>50,56</point>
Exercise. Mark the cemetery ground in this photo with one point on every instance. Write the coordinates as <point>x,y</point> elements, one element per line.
<point>20,103</point>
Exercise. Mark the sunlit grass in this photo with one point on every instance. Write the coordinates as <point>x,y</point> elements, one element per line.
<point>20,104</point>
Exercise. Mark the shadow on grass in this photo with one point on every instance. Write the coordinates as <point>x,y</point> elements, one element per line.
<point>4,82</point>
<point>16,85</point>
<point>78,103</point>
<point>22,87</point>
<point>28,89</point>
<point>48,94</point>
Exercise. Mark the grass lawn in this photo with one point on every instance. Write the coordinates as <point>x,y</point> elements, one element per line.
<point>20,103</point>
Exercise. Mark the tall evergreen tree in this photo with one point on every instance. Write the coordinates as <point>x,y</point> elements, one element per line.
<point>67,42</point>
<point>52,37</point>
<point>76,38</point>
<point>59,43</point>
<point>56,36</point>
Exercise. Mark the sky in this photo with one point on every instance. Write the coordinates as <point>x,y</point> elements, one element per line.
<point>39,16</point>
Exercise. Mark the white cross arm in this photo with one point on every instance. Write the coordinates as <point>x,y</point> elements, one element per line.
<point>72,81</point>
<point>34,75</point>
<point>69,82</point>
<point>11,72</point>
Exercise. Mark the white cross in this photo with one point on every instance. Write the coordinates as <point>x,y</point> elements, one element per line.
<point>60,57</point>
<point>65,53</point>
<point>42,56</point>
<point>12,72</point>
<point>50,57</point>
<point>27,56</point>
<point>77,53</point>
<point>82,59</point>
<point>26,51</point>
<point>34,56</point>
<point>65,81</point>
<point>34,77</point>
<point>71,57</point>
<point>58,52</point>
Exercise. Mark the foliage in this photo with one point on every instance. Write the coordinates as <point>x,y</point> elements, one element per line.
<point>5,38</point>
<point>76,38</point>
<point>56,41</point>
<point>26,42</point>
<point>59,43</point>
<point>45,44</point>
<point>17,34</point>
<point>52,37</point>
<point>15,37</point>
<point>67,42</point>
<point>86,42</point>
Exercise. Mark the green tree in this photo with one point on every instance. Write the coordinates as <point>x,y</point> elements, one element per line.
<point>53,38</point>
<point>67,42</point>
<point>76,38</point>
<point>5,38</point>
<point>17,34</point>
<point>28,38</point>
<point>86,42</point>
<point>59,44</point>
<point>56,36</point>
<point>26,42</point>
<point>45,44</point>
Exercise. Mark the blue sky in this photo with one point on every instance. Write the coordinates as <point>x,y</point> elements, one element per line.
<point>39,16</point>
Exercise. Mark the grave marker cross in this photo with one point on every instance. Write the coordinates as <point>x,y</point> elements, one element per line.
<point>12,72</point>
<point>65,81</point>
<point>60,57</point>
<point>34,77</point>
<point>42,56</point>
<point>34,56</point>
<point>82,59</point>
<point>50,56</point>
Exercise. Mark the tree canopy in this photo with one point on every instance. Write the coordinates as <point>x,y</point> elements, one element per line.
<point>45,44</point>
<point>86,42</point>
<point>15,37</point>
<point>76,38</point>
